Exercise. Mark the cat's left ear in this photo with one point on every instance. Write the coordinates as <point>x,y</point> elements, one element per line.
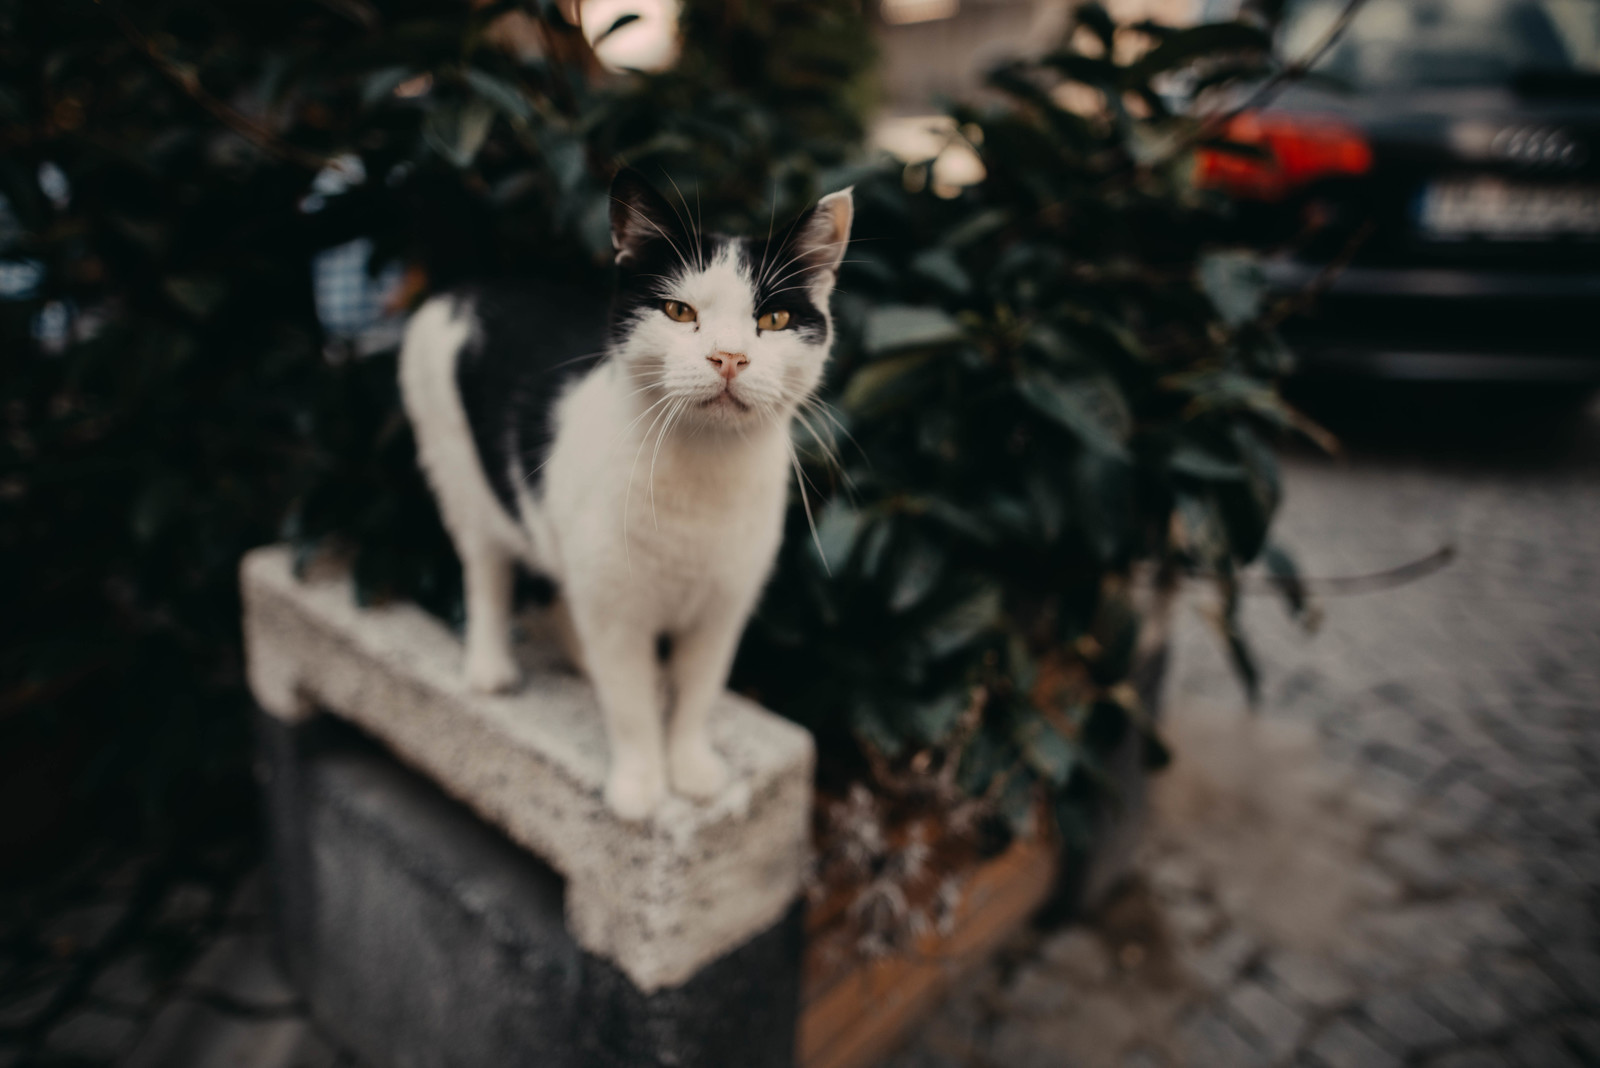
<point>822,234</point>
<point>639,216</point>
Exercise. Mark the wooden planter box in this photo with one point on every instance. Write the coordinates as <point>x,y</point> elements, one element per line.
<point>854,1012</point>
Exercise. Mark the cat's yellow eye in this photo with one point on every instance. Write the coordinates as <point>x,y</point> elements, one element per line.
<point>679,312</point>
<point>773,320</point>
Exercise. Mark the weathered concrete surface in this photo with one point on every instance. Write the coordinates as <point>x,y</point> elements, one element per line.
<point>660,898</point>
<point>1396,858</point>
<point>422,937</point>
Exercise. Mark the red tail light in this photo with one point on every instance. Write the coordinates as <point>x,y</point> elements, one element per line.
<point>1302,148</point>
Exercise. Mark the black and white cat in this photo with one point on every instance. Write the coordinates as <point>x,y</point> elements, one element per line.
<point>641,464</point>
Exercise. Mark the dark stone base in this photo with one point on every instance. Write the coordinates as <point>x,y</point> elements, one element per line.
<point>421,937</point>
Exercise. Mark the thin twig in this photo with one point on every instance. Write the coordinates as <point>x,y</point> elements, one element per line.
<point>185,79</point>
<point>1300,301</point>
<point>1347,585</point>
<point>1294,71</point>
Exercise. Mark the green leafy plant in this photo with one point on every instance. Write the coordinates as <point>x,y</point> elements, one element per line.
<point>1056,398</point>
<point>169,397</point>
<point>1055,383</point>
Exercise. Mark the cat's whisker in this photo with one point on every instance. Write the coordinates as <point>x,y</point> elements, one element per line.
<point>664,236</point>
<point>802,270</point>
<point>805,502</point>
<point>828,454</point>
<point>527,479</point>
<point>627,492</point>
<point>789,233</point>
<point>798,256</point>
<point>577,359</point>
<point>823,408</point>
<point>665,429</point>
<point>772,218</point>
<point>693,232</point>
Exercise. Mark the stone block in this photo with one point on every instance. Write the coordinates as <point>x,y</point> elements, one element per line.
<point>90,1035</point>
<point>1279,1025</point>
<point>188,1032</point>
<point>1343,1045</point>
<point>1409,1023</point>
<point>660,899</point>
<point>422,937</point>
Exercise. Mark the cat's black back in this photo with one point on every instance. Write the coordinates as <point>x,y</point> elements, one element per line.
<point>529,339</point>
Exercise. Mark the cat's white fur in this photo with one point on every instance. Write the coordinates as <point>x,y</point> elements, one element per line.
<point>660,508</point>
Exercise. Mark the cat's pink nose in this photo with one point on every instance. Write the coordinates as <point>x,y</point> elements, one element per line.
<point>729,364</point>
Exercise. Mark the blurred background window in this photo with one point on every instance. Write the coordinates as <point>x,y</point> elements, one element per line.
<point>1447,43</point>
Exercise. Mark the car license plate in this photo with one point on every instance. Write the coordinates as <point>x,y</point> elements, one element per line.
<point>1498,210</point>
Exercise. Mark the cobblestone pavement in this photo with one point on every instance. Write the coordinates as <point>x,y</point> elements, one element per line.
<point>1397,859</point>
<point>152,963</point>
<point>1394,861</point>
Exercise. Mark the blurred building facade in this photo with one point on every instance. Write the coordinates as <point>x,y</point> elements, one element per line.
<point>935,49</point>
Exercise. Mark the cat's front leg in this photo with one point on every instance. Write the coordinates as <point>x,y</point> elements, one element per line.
<point>620,659</point>
<point>487,576</point>
<point>701,659</point>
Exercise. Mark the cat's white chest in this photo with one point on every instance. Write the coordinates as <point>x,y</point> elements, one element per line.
<point>667,525</point>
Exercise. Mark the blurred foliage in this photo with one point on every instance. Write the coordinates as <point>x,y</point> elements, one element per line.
<point>1055,394</point>
<point>168,397</point>
<point>1054,384</point>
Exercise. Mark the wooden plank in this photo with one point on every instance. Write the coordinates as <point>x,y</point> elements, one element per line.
<point>854,1015</point>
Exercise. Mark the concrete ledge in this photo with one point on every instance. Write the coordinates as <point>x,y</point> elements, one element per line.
<point>421,937</point>
<point>661,898</point>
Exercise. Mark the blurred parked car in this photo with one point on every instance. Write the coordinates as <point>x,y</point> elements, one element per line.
<point>1450,149</point>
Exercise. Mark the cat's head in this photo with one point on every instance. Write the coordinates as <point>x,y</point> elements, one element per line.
<point>723,331</point>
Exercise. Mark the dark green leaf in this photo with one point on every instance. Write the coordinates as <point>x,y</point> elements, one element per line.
<point>900,326</point>
<point>1047,751</point>
<point>1091,408</point>
<point>962,624</point>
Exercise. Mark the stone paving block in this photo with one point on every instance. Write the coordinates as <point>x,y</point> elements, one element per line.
<point>1578,969</point>
<point>130,981</point>
<point>1485,924</point>
<point>1414,858</point>
<point>1318,982</point>
<point>1278,1025</point>
<point>1486,865</point>
<point>1341,1044</point>
<point>241,968</point>
<point>1209,1039</point>
<point>28,999</point>
<point>1471,1007</point>
<point>92,1035</point>
<point>186,905</point>
<point>1405,1020</point>
<point>1078,953</point>
<point>248,903</point>
<point>1037,991</point>
<point>1552,918</point>
<point>1542,1049</point>
<point>1424,934</point>
<point>1216,965</point>
<point>82,929</point>
<point>1145,1058</point>
<point>1584,1037</point>
<point>1377,887</point>
<point>1525,986</point>
<point>193,1034</point>
<point>1472,1058</point>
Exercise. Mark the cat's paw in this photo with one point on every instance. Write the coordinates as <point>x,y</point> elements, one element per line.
<point>491,670</point>
<point>697,771</point>
<point>633,791</point>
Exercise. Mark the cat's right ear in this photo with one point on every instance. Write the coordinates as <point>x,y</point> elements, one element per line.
<point>639,215</point>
